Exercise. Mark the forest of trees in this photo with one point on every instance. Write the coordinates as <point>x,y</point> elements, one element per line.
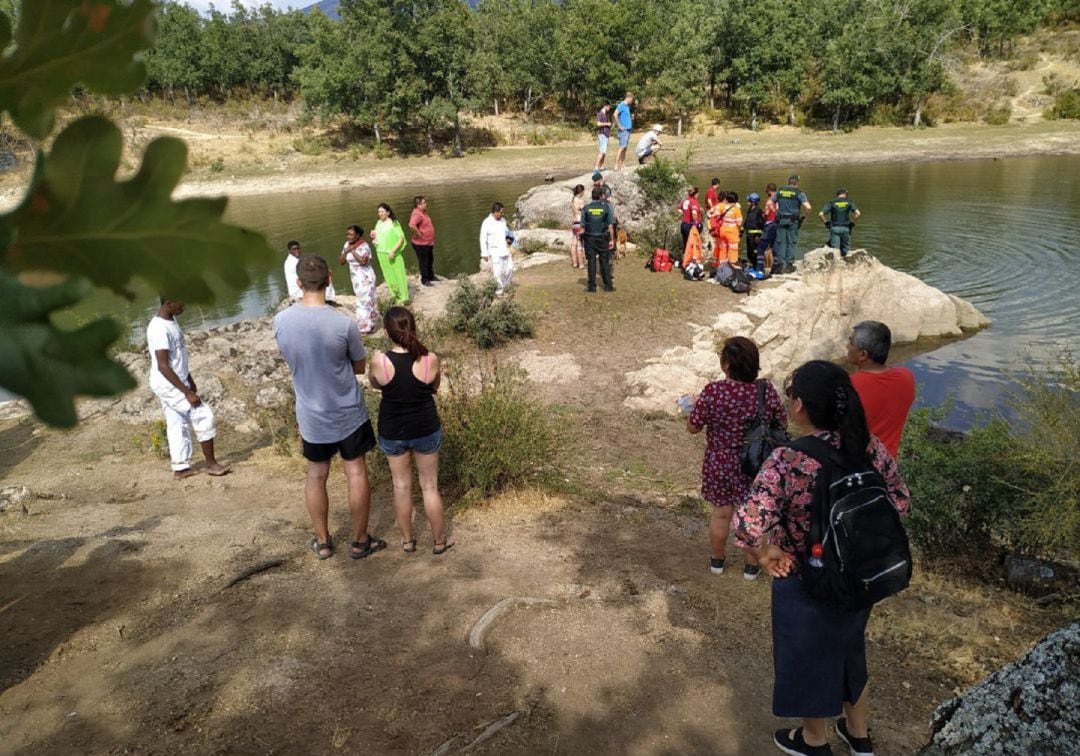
<point>411,67</point>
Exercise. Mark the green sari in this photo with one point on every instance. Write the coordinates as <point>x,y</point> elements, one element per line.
<point>390,237</point>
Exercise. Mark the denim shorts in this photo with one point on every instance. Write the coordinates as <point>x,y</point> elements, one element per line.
<point>603,143</point>
<point>624,137</point>
<point>429,444</point>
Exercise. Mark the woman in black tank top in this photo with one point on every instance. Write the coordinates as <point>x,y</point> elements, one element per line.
<point>408,376</point>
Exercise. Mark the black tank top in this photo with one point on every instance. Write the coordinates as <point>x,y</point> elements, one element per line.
<point>408,404</point>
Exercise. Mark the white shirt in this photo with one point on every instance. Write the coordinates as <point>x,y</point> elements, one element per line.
<point>166,334</point>
<point>493,238</point>
<point>295,292</point>
<point>645,142</point>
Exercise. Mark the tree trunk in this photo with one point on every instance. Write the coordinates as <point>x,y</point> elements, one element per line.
<point>496,107</point>
<point>712,91</point>
<point>791,112</point>
<point>753,118</point>
<point>528,102</point>
<point>378,136</point>
<point>678,128</point>
<point>836,119</point>
<point>429,138</point>
<point>918,111</point>
<point>458,151</point>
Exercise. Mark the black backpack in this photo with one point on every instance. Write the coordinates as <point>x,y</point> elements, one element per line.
<point>761,437</point>
<point>865,555</point>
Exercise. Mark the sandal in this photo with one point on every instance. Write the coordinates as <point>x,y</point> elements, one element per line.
<point>441,548</point>
<point>409,546</point>
<point>318,548</point>
<point>358,550</point>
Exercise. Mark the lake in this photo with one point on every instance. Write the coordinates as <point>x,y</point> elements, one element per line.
<point>1000,233</point>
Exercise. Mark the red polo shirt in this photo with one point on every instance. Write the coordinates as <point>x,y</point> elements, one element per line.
<point>420,220</point>
<point>886,398</point>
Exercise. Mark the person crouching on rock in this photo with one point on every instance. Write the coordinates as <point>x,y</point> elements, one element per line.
<point>819,649</point>
<point>409,428</point>
<point>726,408</point>
<point>172,383</point>
<point>495,248</point>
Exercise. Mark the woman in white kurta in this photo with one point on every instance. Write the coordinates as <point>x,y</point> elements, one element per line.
<point>357,254</point>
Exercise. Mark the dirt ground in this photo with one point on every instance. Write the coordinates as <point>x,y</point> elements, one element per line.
<point>120,634</point>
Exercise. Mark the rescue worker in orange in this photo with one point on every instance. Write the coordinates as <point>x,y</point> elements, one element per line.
<point>725,225</point>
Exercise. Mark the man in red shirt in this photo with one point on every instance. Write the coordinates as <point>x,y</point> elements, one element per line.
<point>423,240</point>
<point>887,393</point>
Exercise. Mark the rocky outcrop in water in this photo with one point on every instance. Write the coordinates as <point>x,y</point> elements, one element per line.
<point>802,317</point>
<point>1028,708</point>
<point>550,203</point>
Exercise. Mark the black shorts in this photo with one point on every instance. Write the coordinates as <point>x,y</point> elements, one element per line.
<point>356,444</point>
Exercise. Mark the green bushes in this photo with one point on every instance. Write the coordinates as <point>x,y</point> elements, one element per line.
<point>1066,105</point>
<point>489,322</point>
<point>662,180</point>
<point>1007,485</point>
<point>494,436</point>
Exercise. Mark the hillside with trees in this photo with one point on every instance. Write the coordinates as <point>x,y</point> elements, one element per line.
<point>409,70</point>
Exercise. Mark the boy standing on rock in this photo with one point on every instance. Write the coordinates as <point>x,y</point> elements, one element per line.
<point>324,353</point>
<point>174,385</point>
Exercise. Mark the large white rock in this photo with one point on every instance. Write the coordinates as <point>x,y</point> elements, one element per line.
<point>804,317</point>
<point>550,203</point>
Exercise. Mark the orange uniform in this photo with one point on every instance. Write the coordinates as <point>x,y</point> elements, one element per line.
<point>725,227</point>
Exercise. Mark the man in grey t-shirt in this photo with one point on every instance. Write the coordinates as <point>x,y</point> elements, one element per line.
<point>325,354</point>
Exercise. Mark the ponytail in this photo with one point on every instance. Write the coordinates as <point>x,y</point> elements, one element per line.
<point>400,326</point>
<point>832,404</point>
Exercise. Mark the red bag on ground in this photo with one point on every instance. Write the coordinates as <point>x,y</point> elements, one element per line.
<point>661,260</point>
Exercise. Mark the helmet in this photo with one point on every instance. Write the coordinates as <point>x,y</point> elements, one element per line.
<point>753,197</point>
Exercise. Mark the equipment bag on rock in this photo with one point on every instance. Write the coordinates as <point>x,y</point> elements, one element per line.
<point>857,549</point>
<point>660,261</point>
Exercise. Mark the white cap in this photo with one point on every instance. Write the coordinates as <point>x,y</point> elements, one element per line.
<point>657,127</point>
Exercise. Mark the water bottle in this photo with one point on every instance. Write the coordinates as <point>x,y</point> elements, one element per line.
<point>817,551</point>
<point>686,404</point>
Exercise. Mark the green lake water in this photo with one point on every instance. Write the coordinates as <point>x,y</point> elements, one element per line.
<point>1001,233</point>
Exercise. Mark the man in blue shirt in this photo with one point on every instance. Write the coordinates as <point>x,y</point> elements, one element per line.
<point>624,122</point>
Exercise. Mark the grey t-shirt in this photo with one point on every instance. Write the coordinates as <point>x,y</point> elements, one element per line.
<point>320,345</point>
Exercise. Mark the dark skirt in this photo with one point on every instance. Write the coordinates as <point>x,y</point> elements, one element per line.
<point>819,653</point>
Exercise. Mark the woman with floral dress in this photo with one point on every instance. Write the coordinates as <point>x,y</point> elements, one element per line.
<point>819,650</point>
<point>726,408</point>
<point>357,255</point>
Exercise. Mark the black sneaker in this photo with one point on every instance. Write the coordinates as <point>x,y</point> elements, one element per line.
<point>609,288</point>
<point>789,267</point>
<point>716,566</point>
<point>751,571</point>
<point>791,741</point>
<point>858,746</point>
<point>591,289</point>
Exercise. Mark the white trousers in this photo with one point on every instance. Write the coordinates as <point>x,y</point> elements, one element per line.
<point>502,270</point>
<point>180,419</point>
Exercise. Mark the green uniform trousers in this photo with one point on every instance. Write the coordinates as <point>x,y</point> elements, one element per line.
<point>787,239</point>
<point>840,238</point>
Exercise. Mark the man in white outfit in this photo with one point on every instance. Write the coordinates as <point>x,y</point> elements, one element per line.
<point>292,282</point>
<point>495,250</point>
<point>173,384</point>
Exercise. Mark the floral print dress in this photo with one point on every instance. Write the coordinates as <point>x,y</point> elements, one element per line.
<point>363,282</point>
<point>726,409</point>
<point>779,506</point>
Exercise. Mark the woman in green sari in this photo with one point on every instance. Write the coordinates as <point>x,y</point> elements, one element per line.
<point>389,240</point>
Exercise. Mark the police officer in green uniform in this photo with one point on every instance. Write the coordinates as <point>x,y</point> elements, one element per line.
<point>598,225</point>
<point>840,215</point>
<point>790,202</point>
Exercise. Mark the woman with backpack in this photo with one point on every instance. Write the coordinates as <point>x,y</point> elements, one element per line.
<point>819,647</point>
<point>727,408</point>
<point>409,428</point>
